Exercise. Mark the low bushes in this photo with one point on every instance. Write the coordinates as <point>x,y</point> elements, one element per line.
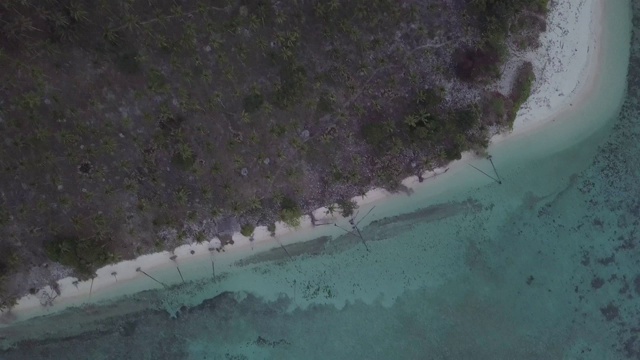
<point>521,89</point>
<point>290,212</point>
<point>247,230</point>
<point>83,255</point>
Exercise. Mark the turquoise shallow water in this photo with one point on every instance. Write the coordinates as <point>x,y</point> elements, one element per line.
<point>544,266</point>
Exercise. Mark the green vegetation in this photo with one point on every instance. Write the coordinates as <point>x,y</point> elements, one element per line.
<point>293,78</point>
<point>347,207</point>
<point>497,106</point>
<point>467,118</point>
<point>271,227</point>
<point>183,158</point>
<point>253,102</point>
<point>325,104</point>
<point>498,20</point>
<point>375,135</point>
<point>480,64</point>
<point>153,122</point>
<point>496,15</point>
<point>9,262</point>
<point>290,212</point>
<point>128,62</point>
<point>521,89</point>
<point>83,255</point>
<point>9,259</point>
<point>247,230</point>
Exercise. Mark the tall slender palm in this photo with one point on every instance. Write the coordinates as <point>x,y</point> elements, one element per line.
<point>174,259</point>
<point>151,277</point>
<point>213,267</point>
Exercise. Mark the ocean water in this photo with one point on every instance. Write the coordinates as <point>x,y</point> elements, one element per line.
<point>544,266</point>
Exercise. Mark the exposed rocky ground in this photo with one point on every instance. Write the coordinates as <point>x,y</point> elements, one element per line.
<point>135,126</point>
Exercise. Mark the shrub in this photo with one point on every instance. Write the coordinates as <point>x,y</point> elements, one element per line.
<point>83,255</point>
<point>293,78</point>
<point>272,229</point>
<point>521,89</point>
<point>495,17</point>
<point>540,5</point>
<point>477,64</point>
<point>157,82</point>
<point>253,102</point>
<point>347,206</point>
<point>9,259</point>
<point>497,106</point>
<point>429,99</point>
<point>247,230</point>
<point>467,118</point>
<point>290,212</point>
<point>6,302</point>
<point>325,104</point>
<point>375,135</point>
<point>128,63</point>
<point>183,160</point>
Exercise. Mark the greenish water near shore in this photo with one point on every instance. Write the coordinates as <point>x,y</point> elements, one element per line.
<point>544,266</point>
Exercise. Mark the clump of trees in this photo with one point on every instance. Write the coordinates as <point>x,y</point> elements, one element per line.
<point>375,135</point>
<point>497,19</point>
<point>293,79</point>
<point>496,16</point>
<point>252,102</point>
<point>521,89</point>
<point>290,212</point>
<point>479,63</point>
<point>247,230</point>
<point>271,227</point>
<point>84,255</point>
<point>8,259</point>
<point>347,207</point>
<point>9,262</point>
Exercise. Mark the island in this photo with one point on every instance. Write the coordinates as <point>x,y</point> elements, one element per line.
<point>132,128</point>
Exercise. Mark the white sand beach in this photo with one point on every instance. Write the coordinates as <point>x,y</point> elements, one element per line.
<point>566,64</point>
<point>567,67</point>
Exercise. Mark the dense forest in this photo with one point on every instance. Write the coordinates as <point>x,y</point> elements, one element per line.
<point>138,125</point>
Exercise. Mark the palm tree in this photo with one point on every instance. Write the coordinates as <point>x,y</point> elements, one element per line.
<point>18,28</point>
<point>76,12</point>
<point>64,247</point>
<point>173,258</point>
<point>331,209</point>
<point>411,121</point>
<point>149,276</point>
<point>213,267</point>
<point>334,4</point>
<point>425,118</point>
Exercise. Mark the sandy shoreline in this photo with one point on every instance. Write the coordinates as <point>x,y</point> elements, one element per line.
<point>565,64</point>
<point>565,81</point>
